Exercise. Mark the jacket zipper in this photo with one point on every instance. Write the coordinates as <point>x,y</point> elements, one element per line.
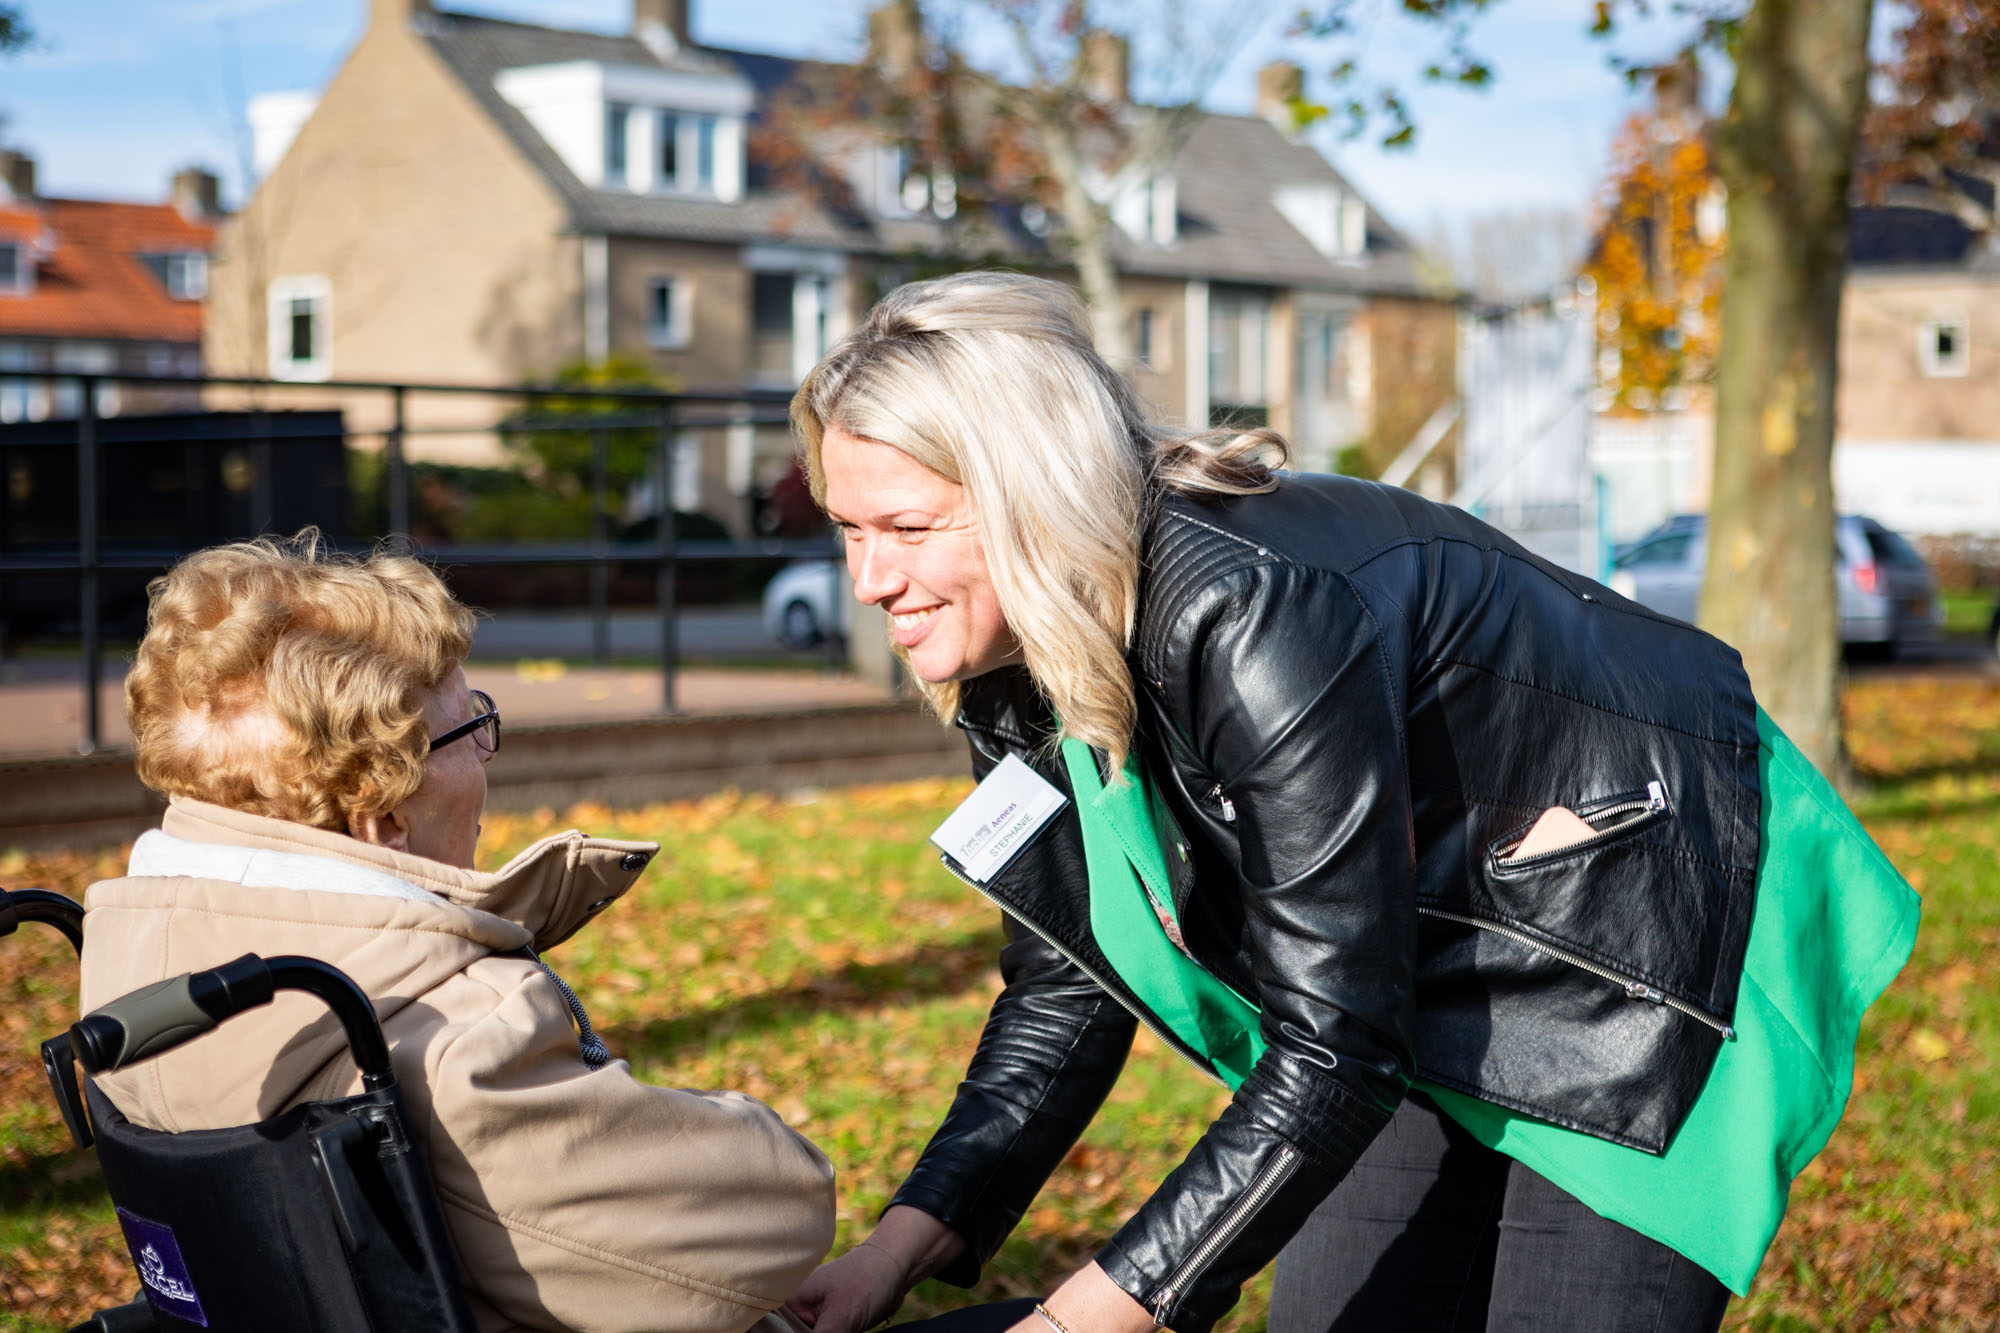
<point>1228,806</point>
<point>1654,799</point>
<point>1635,990</point>
<point>1166,1038</point>
<point>1274,1173</point>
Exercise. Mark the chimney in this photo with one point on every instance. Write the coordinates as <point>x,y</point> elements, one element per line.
<point>17,174</point>
<point>396,13</point>
<point>895,38</point>
<point>661,24</point>
<point>197,194</point>
<point>1106,60</point>
<point>1279,84</point>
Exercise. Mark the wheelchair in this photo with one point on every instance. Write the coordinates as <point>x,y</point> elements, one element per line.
<point>320,1219</point>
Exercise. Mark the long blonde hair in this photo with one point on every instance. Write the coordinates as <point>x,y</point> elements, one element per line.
<point>990,380</point>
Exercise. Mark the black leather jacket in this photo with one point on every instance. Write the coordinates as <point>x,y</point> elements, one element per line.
<point>1354,702</point>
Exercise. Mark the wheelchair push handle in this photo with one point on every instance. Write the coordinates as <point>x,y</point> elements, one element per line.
<point>40,905</point>
<point>166,1014</point>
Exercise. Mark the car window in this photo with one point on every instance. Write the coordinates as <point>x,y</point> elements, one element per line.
<point>1890,549</point>
<point>1669,550</point>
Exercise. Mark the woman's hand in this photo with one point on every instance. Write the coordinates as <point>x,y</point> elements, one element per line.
<point>1090,1302</point>
<point>866,1285</point>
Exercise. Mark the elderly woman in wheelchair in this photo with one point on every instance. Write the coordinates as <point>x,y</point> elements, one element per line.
<point>309,719</point>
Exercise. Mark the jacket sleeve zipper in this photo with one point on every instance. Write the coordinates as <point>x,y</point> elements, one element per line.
<point>1228,806</point>
<point>1273,1174</point>
<point>1166,1038</point>
<point>1634,988</point>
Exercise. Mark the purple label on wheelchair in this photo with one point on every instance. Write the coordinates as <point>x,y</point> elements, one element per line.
<point>161,1268</point>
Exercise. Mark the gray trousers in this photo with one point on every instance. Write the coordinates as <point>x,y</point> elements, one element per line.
<point>1434,1231</point>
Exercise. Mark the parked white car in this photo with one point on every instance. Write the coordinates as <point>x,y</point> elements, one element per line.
<point>1888,597</point>
<point>805,601</point>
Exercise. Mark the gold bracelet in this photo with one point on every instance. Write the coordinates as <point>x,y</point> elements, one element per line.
<point>1050,1319</point>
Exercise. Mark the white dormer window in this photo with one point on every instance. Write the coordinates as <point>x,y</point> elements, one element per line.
<point>905,188</point>
<point>1148,209</point>
<point>637,128</point>
<point>1333,219</point>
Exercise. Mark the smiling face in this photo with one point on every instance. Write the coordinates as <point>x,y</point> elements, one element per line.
<point>913,550</point>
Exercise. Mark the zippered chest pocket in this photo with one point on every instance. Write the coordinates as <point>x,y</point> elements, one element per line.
<point>1610,820</point>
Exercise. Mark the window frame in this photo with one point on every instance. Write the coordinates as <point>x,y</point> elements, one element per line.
<point>678,330</point>
<point>1935,367</point>
<point>22,280</point>
<point>279,299</point>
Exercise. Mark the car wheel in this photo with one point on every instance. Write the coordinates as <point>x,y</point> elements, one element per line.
<point>798,627</point>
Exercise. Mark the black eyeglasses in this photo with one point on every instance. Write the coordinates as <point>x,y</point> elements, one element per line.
<point>484,729</point>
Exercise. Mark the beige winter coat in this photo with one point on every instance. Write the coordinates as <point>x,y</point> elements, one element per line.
<point>576,1198</point>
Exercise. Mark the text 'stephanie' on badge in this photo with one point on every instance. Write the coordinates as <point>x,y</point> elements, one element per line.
<point>1002,816</point>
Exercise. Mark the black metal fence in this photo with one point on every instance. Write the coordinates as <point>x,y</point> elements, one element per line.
<point>244,443</point>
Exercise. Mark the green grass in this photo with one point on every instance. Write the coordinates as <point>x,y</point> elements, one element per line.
<point>811,952</point>
<point>1967,613</point>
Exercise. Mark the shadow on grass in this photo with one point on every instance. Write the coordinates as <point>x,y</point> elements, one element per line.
<point>1886,802</point>
<point>944,967</point>
<point>60,1180</point>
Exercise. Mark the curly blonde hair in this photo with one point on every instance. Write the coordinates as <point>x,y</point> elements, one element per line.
<point>282,679</point>
<point>990,380</point>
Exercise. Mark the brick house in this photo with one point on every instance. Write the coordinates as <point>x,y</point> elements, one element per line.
<point>96,286</point>
<point>475,200</point>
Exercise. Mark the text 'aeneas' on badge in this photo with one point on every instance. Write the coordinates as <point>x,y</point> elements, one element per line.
<point>1003,815</point>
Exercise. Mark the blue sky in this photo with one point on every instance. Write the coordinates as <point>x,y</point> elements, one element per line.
<point>123,92</point>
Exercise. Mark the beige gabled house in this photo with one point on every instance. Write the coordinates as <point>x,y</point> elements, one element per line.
<point>471,200</point>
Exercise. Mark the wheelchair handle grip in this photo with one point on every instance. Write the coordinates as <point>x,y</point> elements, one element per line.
<point>161,1016</point>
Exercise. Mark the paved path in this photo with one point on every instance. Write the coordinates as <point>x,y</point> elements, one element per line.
<point>41,703</point>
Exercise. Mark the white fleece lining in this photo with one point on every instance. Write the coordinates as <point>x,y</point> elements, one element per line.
<point>158,855</point>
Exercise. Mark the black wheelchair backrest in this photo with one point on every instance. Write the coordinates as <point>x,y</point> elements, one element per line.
<point>319,1219</point>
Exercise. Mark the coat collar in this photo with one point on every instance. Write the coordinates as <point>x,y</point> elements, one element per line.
<point>550,889</point>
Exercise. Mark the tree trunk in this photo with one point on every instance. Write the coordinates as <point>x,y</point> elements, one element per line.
<point>1785,152</point>
<point>1087,234</point>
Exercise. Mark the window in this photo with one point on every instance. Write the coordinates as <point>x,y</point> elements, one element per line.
<point>685,152</point>
<point>1142,336</point>
<point>667,165</point>
<point>617,129</point>
<point>299,333</point>
<point>788,324</point>
<point>13,267</point>
<point>668,307</point>
<point>1239,335</point>
<point>1944,348</point>
<point>704,154</point>
<point>183,273</point>
<point>1670,550</point>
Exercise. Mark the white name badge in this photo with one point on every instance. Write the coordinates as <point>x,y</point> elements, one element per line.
<point>1002,816</point>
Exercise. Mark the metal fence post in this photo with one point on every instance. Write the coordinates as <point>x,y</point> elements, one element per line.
<point>397,479</point>
<point>670,651</point>
<point>600,573</point>
<point>87,563</point>
<point>262,483</point>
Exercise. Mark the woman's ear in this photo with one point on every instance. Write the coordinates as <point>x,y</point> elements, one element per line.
<point>384,828</point>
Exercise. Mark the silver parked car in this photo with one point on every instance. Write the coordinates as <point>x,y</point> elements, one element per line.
<point>805,602</point>
<point>1888,598</point>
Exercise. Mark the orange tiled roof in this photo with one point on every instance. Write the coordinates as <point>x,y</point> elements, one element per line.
<point>92,284</point>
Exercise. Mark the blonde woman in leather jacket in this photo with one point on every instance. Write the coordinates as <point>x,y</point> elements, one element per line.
<point>1470,847</point>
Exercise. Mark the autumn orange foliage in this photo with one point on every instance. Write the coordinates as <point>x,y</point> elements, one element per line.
<point>1659,278</point>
